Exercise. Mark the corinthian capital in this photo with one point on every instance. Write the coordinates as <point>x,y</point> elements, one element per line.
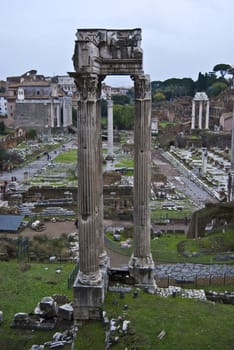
<point>142,86</point>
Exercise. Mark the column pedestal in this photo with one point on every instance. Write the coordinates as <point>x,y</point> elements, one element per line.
<point>143,272</point>
<point>88,300</point>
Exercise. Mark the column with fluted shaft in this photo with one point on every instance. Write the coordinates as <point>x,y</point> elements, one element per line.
<point>141,264</point>
<point>89,286</point>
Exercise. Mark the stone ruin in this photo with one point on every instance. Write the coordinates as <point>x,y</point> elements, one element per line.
<point>98,53</point>
<point>49,313</point>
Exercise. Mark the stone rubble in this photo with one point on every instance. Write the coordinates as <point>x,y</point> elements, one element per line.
<point>184,293</point>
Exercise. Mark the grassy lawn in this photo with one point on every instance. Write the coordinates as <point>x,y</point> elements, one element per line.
<point>125,161</point>
<point>162,214</point>
<point>67,157</point>
<point>189,324</point>
<point>169,248</point>
<point>21,291</point>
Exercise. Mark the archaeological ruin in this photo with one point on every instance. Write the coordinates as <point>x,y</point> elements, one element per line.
<point>97,54</point>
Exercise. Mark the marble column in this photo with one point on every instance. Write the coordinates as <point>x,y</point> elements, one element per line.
<point>89,285</point>
<point>103,258</point>
<point>193,115</point>
<point>200,116</point>
<point>110,126</point>
<point>204,161</point>
<point>58,115</point>
<point>231,185</point>
<point>207,114</point>
<point>141,264</point>
<point>52,114</point>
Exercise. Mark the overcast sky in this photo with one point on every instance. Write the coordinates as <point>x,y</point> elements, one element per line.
<point>180,38</point>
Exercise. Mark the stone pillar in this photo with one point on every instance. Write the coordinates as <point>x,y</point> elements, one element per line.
<point>52,114</point>
<point>200,116</point>
<point>207,114</point>
<point>58,115</point>
<point>103,258</point>
<point>193,115</point>
<point>204,161</point>
<point>110,127</point>
<point>231,176</point>
<point>89,286</point>
<point>141,264</point>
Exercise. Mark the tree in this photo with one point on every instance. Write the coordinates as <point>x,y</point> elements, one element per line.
<point>2,127</point>
<point>123,117</point>
<point>201,82</point>
<point>120,99</point>
<point>31,134</point>
<point>159,96</point>
<point>222,68</point>
<point>216,88</point>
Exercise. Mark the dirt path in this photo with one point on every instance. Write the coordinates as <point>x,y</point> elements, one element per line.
<point>53,230</point>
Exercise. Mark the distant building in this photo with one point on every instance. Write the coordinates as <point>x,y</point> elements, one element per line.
<point>37,102</point>
<point>107,90</point>
<point>225,121</point>
<point>3,105</point>
<point>66,83</point>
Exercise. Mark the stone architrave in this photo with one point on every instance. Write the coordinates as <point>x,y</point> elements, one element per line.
<point>141,264</point>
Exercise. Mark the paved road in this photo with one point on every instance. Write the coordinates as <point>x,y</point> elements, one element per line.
<point>31,168</point>
<point>197,194</point>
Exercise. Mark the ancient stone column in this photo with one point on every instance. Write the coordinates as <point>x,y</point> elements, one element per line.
<point>204,161</point>
<point>58,115</point>
<point>231,175</point>
<point>110,126</point>
<point>52,113</point>
<point>193,115</point>
<point>200,116</point>
<point>103,258</point>
<point>141,265</point>
<point>207,114</point>
<point>89,286</point>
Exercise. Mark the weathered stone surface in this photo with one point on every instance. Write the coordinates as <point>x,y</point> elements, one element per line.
<point>66,312</point>
<point>47,308</point>
<point>101,52</point>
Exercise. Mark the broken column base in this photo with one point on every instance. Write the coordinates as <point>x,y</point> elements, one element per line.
<point>142,270</point>
<point>88,300</point>
<point>104,266</point>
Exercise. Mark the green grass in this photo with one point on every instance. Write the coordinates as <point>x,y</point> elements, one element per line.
<point>125,162</point>
<point>170,248</point>
<point>21,291</point>
<point>67,157</point>
<point>189,324</point>
<point>162,214</point>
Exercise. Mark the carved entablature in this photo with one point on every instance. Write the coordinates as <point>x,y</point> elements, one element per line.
<point>108,52</point>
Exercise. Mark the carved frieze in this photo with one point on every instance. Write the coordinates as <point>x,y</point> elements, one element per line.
<point>98,47</point>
